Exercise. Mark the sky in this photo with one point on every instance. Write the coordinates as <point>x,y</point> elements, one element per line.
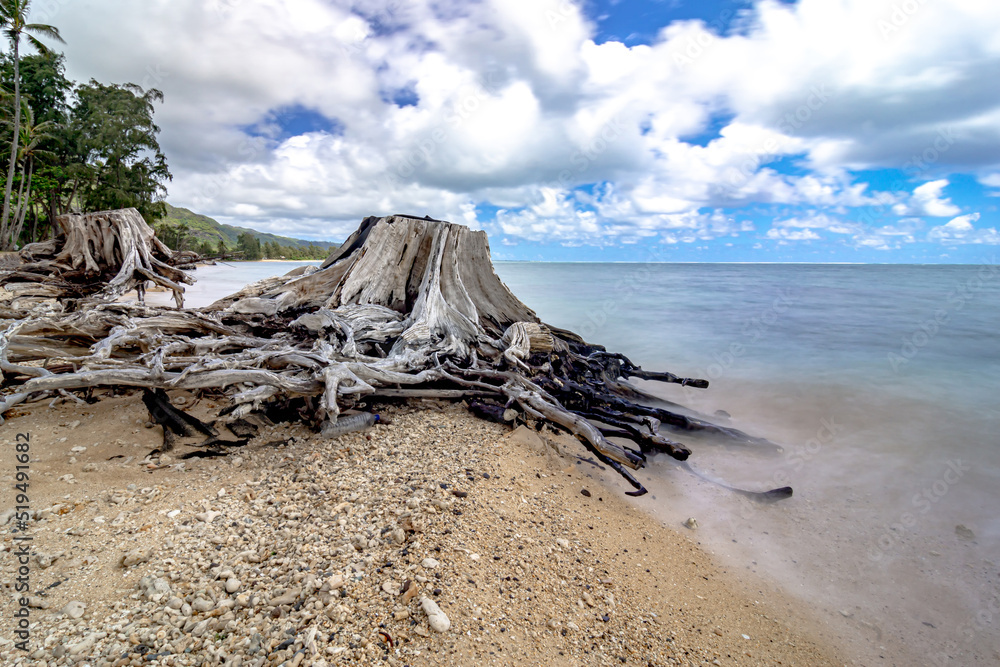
<point>622,130</point>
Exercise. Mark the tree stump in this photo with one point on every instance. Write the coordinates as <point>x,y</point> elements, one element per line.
<point>407,308</point>
<point>98,256</point>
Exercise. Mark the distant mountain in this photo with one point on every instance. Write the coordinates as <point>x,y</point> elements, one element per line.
<point>205,228</point>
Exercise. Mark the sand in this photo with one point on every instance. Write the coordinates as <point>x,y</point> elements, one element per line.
<point>530,557</point>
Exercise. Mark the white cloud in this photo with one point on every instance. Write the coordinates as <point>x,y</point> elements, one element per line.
<point>817,221</point>
<point>561,215</point>
<point>849,232</point>
<point>786,234</point>
<point>991,181</point>
<point>888,237</point>
<point>961,230</point>
<point>517,105</point>
<point>927,199</point>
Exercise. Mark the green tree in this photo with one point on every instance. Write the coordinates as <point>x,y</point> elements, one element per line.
<point>115,133</point>
<point>205,248</point>
<point>249,245</point>
<point>45,92</point>
<point>43,84</point>
<point>14,19</point>
<point>175,236</point>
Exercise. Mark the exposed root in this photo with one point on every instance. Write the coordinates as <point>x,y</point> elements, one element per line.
<point>407,308</point>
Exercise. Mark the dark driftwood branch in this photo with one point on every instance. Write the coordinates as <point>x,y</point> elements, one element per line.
<point>406,308</point>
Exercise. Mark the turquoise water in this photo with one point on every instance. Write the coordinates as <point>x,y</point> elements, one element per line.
<point>922,330</point>
<point>880,382</point>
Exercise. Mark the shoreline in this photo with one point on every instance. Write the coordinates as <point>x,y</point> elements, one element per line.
<point>326,534</point>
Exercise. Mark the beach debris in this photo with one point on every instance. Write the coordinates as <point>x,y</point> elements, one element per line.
<point>691,523</point>
<point>770,496</point>
<point>407,308</point>
<point>349,424</point>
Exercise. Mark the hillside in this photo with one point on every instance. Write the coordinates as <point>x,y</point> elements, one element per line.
<point>204,228</point>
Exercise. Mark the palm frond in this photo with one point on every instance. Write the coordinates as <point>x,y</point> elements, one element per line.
<point>39,46</point>
<point>44,30</point>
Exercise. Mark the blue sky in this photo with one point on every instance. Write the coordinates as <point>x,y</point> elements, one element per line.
<point>817,130</point>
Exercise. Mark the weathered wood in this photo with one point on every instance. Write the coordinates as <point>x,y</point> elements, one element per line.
<point>406,308</point>
<point>100,256</point>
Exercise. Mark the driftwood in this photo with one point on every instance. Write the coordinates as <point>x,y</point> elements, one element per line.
<point>406,308</point>
<point>98,256</point>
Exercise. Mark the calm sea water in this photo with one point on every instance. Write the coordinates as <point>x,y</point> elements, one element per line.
<point>882,385</point>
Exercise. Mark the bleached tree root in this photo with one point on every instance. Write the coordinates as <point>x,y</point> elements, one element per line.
<point>406,308</point>
<point>98,255</point>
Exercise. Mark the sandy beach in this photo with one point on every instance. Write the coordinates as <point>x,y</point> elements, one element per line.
<point>302,551</point>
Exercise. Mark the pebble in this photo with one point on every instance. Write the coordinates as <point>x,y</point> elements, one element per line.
<point>74,609</point>
<point>288,597</point>
<point>232,585</point>
<point>136,556</point>
<point>430,564</point>
<point>410,591</point>
<point>86,644</point>
<point>45,560</point>
<point>202,605</point>
<point>154,588</point>
<point>691,523</point>
<point>436,618</point>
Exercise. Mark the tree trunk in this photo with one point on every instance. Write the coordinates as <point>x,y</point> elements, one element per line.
<point>23,197</point>
<point>34,225</point>
<point>5,240</point>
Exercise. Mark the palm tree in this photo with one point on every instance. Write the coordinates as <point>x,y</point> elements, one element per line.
<point>31,135</point>
<point>14,19</point>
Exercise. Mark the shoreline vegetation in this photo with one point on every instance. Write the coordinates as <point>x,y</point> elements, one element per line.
<point>312,551</point>
<point>182,229</point>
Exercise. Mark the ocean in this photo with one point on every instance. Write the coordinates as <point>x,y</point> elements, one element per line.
<point>879,382</point>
